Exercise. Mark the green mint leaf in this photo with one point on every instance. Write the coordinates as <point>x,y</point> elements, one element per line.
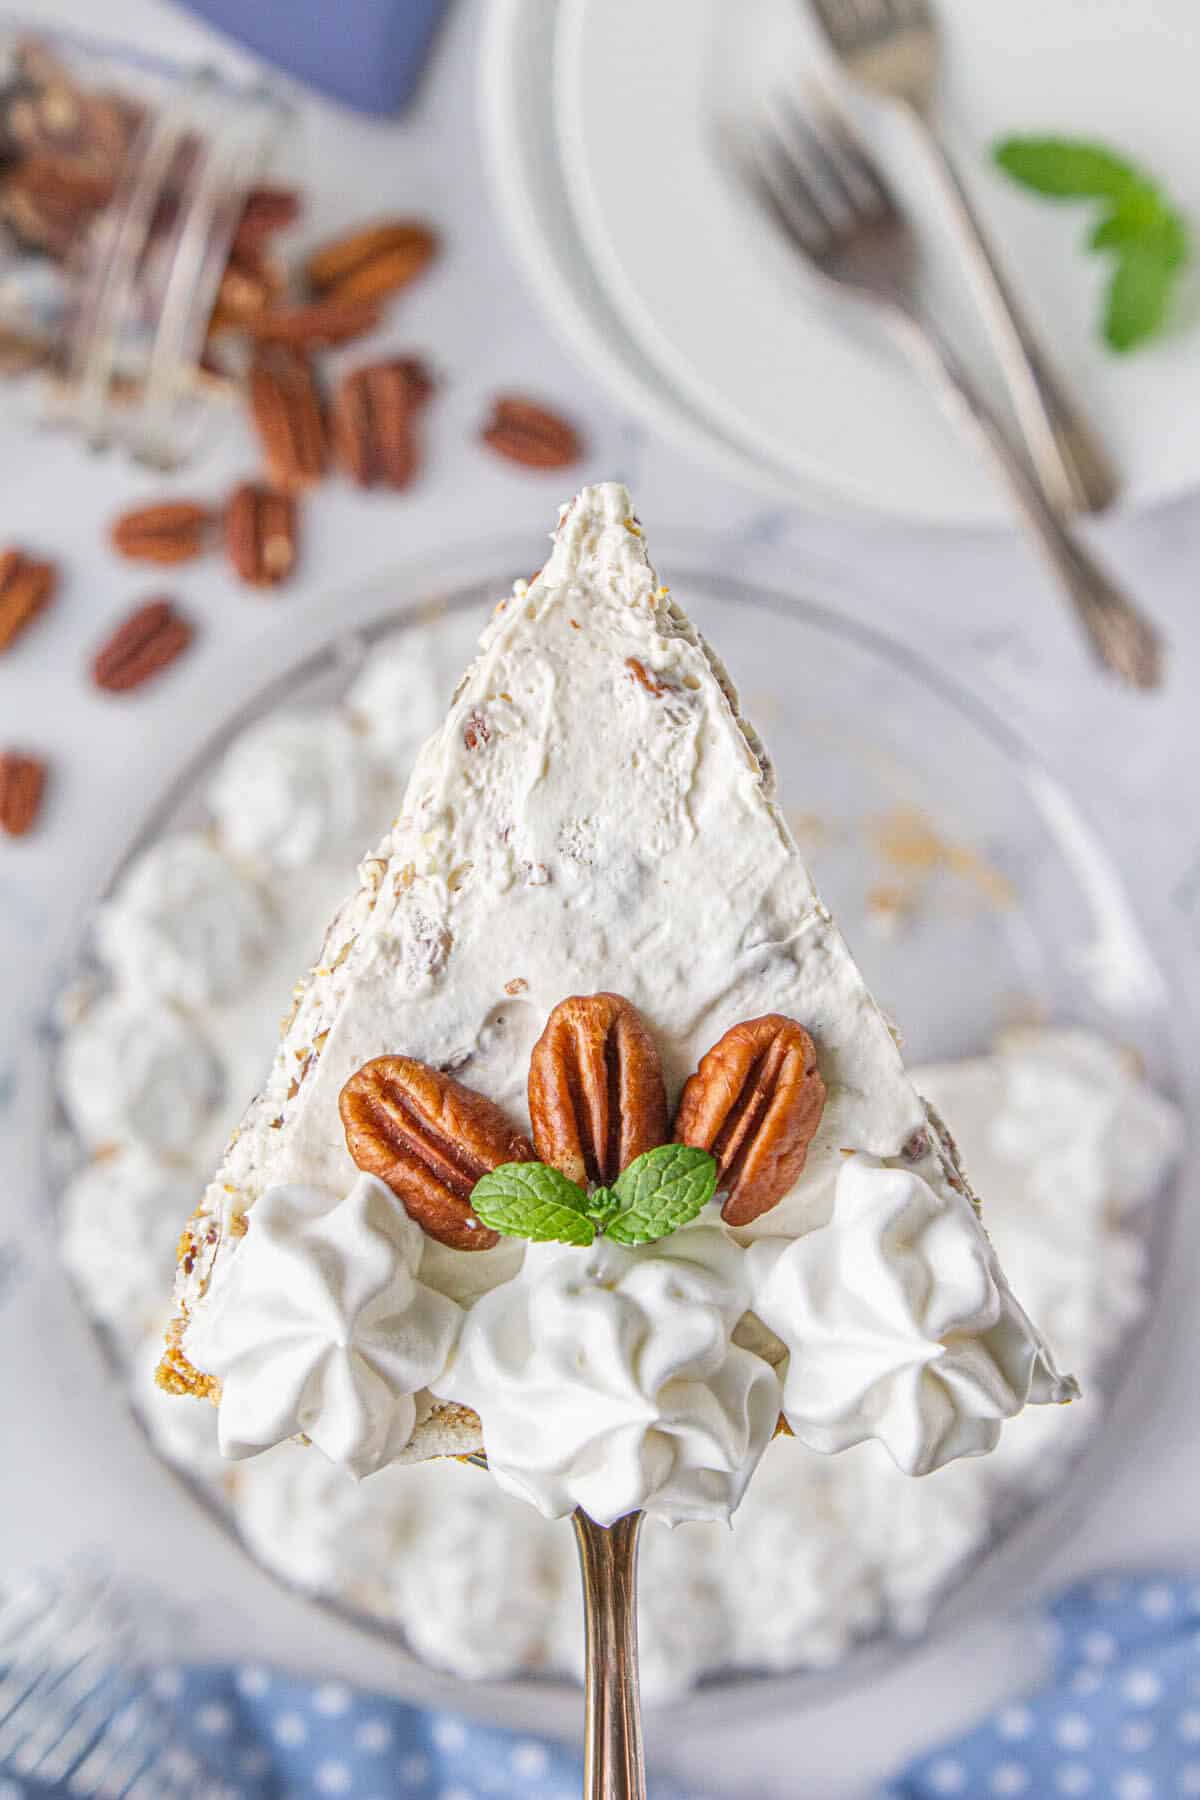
<point>1136,302</point>
<point>1143,219</point>
<point>602,1204</point>
<point>1139,226</point>
<point>1065,168</point>
<point>661,1191</point>
<point>531,1200</point>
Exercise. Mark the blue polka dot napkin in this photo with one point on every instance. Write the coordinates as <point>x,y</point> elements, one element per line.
<point>1120,1718</point>
<point>253,1733</point>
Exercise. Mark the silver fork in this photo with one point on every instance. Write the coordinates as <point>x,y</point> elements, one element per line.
<point>825,192</point>
<point>891,48</point>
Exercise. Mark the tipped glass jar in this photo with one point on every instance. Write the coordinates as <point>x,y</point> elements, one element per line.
<point>135,225</point>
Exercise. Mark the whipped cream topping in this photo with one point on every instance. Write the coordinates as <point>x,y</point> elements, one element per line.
<point>460,1615</point>
<point>398,699</point>
<point>292,787</point>
<point>899,1324</point>
<point>321,1327</point>
<point>593,814</point>
<point>184,924</point>
<point>607,1378</point>
<point>136,1072</point>
<point>119,1232</point>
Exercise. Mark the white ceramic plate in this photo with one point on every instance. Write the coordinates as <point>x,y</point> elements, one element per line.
<point>732,325</point>
<point>516,70</point>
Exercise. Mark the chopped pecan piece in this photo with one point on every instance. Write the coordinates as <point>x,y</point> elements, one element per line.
<point>22,784</point>
<point>372,262</point>
<point>755,1102</point>
<point>26,588</point>
<point>173,531</point>
<point>142,646</point>
<point>596,1094</point>
<point>260,534</point>
<point>525,433</point>
<point>285,404</point>
<point>374,419</point>
<point>430,1139</point>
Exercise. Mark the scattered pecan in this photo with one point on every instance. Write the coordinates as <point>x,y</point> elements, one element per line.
<point>250,285</point>
<point>373,423</point>
<point>267,210</point>
<point>285,404</point>
<point>172,531</point>
<point>319,325</point>
<point>22,783</point>
<point>372,262</point>
<point>19,354</point>
<point>144,644</point>
<point>260,534</point>
<point>26,588</point>
<point>430,1139</point>
<point>755,1102</point>
<point>596,1094</point>
<point>525,433</point>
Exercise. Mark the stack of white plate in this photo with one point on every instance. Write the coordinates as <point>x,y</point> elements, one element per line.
<point>605,127</point>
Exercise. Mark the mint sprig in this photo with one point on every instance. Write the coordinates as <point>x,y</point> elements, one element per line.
<point>1139,227</point>
<point>659,1191</point>
<point>532,1200</point>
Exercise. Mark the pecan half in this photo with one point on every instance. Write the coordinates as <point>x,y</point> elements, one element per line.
<point>373,423</point>
<point>525,433</point>
<point>26,589</point>
<point>755,1102</point>
<point>144,644</point>
<point>22,783</point>
<point>372,262</point>
<point>319,325</point>
<point>430,1139</point>
<point>249,285</point>
<point>285,404</point>
<point>173,531</point>
<point>260,534</point>
<point>596,1094</point>
<point>267,210</point>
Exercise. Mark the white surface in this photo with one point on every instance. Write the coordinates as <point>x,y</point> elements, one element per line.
<point>980,598</point>
<point>703,290</point>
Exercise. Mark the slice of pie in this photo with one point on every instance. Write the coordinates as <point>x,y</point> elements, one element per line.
<point>594,823</point>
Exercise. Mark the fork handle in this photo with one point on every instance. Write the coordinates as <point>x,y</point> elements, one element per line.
<point>613,1764</point>
<point>1120,635</point>
<point>1071,463</point>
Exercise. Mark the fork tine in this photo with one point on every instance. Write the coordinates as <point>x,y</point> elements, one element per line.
<point>825,176</point>
<point>855,156</point>
<point>784,189</point>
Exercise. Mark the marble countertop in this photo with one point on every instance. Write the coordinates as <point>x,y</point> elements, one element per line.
<point>977,602</point>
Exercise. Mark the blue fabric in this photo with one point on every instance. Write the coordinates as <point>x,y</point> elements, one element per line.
<point>367,53</point>
<point>1119,1720</point>
<point>259,1734</point>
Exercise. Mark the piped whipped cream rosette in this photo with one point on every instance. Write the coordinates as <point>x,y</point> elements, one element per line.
<point>899,1324</point>
<point>323,1329</point>
<point>595,817</point>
